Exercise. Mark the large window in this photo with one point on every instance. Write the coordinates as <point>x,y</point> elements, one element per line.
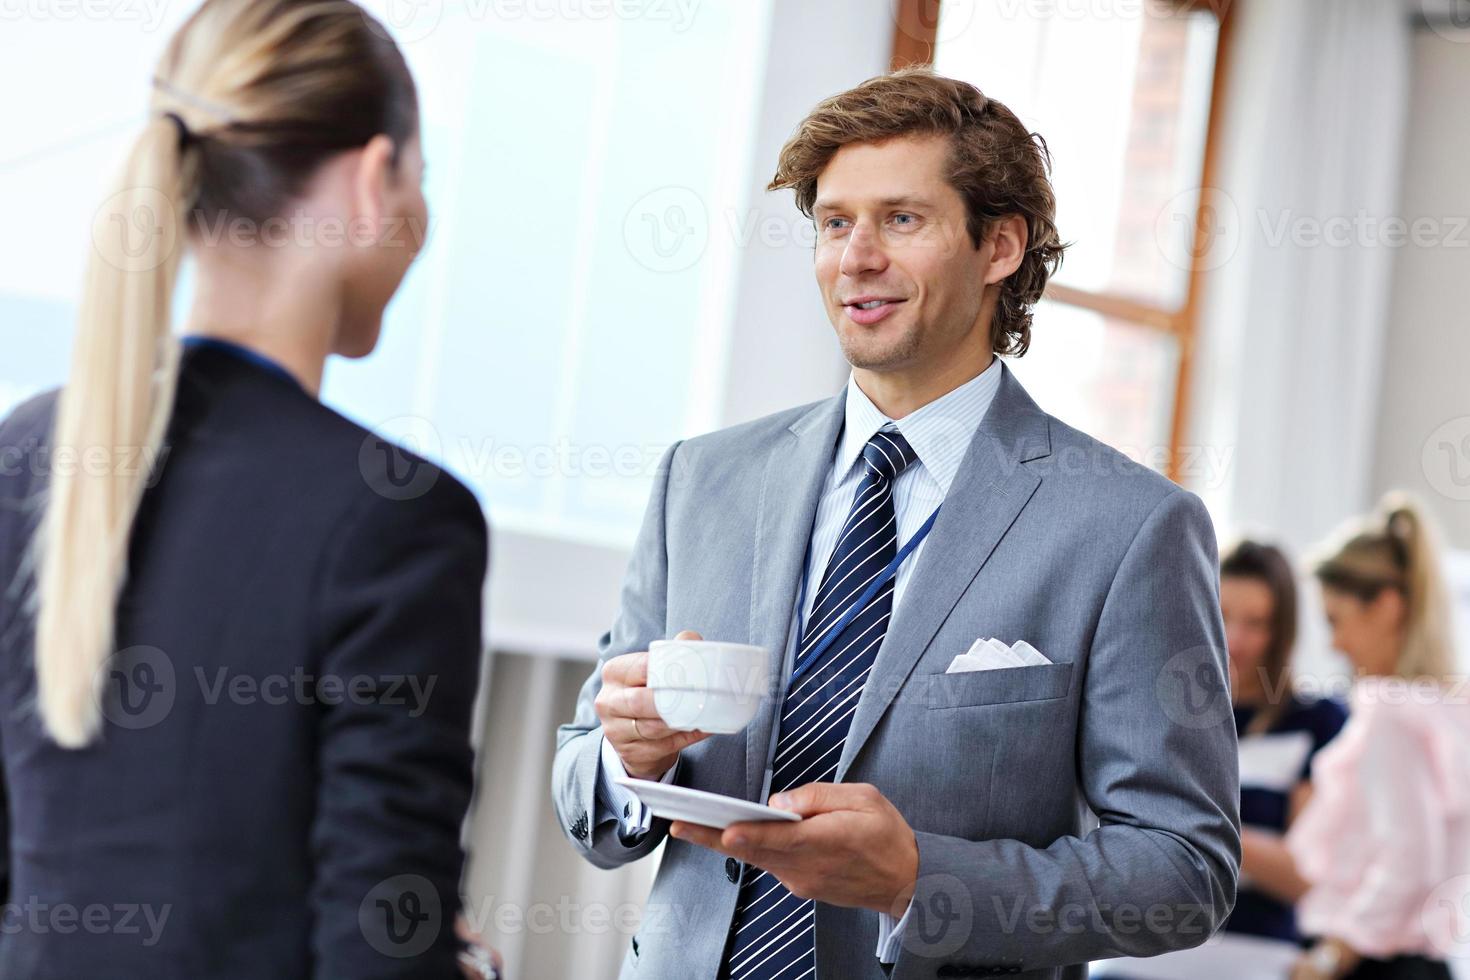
<point>1123,96</point>
<point>567,320</point>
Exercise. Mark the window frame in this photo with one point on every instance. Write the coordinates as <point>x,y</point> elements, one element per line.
<point>914,40</point>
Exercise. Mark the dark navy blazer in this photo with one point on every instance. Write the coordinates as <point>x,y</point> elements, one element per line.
<point>285,763</point>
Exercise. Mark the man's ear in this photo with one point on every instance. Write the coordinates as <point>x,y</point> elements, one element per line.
<point>1007,241</point>
<point>370,185</point>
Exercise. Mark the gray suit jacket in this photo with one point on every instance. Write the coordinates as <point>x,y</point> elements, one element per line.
<point>1064,812</point>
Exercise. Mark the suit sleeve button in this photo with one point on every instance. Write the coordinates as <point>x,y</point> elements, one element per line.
<point>732,869</point>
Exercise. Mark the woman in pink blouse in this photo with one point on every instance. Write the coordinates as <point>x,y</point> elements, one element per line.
<point>1384,841</point>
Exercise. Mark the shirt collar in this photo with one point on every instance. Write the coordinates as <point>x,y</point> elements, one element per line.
<point>939,432</point>
<point>240,351</point>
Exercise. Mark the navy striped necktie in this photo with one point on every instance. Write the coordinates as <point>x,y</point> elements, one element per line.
<point>774,932</point>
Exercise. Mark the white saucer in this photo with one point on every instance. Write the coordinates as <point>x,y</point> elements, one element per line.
<point>698,806</point>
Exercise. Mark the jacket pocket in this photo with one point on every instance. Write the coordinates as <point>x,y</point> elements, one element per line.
<point>999,685</point>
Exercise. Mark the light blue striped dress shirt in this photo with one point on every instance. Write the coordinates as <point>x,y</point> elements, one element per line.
<point>940,434</point>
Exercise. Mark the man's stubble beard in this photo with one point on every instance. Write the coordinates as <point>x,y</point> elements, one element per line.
<point>902,350</point>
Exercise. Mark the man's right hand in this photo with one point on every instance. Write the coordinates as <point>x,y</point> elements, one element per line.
<point>631,723</point>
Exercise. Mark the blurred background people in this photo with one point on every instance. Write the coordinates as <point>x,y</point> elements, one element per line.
<point>1280,732</point>
<point>239,634</point>
<point>1384,840</point>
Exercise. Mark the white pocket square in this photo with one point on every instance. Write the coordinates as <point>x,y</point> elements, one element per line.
<point>989,654</point>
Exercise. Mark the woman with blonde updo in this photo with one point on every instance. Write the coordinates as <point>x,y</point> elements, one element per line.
<point>1384,841</point>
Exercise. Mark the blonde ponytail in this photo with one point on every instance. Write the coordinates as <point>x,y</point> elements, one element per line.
<point>250,98</point>
<point>1428,645</point>
<point>111,415</point>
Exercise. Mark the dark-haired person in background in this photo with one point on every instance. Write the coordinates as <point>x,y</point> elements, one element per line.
<point>304,823</point>
<point>1280,733</point>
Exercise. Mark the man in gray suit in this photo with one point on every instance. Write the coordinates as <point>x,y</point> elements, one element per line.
<point>1077,798</point>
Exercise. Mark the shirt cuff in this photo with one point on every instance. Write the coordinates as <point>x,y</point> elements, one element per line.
<point>618,802</point>
<point>890,935</point>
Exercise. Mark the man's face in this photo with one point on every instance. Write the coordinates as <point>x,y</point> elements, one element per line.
<point>902,280</point>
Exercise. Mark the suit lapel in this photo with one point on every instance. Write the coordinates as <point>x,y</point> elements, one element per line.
<point>989,491</point>
<point>795,474</point>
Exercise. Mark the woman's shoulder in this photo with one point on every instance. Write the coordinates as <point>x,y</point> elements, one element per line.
<point>1430,706</point>
<point>25,436</point>
<point>353,470</point>
<point>1415,731</point>
<point>26,427</point>
<point>1391,716</point>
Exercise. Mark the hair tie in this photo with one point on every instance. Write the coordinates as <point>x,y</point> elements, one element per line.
<point>1400,527</point>
<point>215,110</point>
<point>185,136</point>
<point>1400,523</point>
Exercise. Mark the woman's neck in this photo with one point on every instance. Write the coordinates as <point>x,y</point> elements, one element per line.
<point>283,311</point>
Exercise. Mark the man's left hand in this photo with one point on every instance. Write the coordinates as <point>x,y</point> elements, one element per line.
<point>852,847</point>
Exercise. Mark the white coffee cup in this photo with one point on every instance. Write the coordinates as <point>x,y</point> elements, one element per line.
<point>708,685</point>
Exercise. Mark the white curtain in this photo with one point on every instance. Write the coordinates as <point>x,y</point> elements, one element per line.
<point>1293,328</point>
<point>1296,306</point>
<point>548,911</point>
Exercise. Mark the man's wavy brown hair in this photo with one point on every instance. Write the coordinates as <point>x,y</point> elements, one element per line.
<point>998,167</point>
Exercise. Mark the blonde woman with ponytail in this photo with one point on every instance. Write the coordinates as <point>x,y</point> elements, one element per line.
<point>1384,841</point>
<point>239,635</point>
